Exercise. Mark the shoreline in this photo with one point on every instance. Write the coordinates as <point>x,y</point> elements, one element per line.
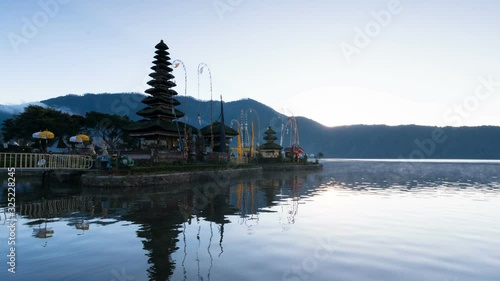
<point>116,181</point>
<point>95,179</point>
<point>291,167</point>
<point>161,179</point>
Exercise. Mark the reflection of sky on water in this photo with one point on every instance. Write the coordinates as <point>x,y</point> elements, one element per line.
<point>256,229</point>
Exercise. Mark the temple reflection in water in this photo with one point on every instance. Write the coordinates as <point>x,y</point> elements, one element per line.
<point>190,221</point>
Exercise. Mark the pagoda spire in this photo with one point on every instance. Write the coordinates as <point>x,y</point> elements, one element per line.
<point>270,135</point>
<point>160,105</point>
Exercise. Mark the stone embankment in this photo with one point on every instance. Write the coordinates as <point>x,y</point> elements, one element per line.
<point>112,181</point>
<point>291,167</point>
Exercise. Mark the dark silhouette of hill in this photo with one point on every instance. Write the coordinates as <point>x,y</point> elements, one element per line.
<point>411,141</point>
<point>4,115</point>
<point>356,141</point>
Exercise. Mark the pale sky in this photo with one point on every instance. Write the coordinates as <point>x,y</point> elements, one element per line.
<point>338,62</point>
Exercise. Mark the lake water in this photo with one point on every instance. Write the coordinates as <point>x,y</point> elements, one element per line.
<point>354,220</point>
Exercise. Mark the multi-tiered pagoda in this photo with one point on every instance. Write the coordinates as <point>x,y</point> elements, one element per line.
<point>270,149</point>
<point>159,127</point>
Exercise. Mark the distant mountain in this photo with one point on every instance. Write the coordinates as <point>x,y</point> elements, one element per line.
<point>357,141</point>
<point>6,111</point>
<point>4,115</point>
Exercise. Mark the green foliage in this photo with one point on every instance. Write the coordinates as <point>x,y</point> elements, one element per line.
<point>37,118</point>
<point>109,128</point>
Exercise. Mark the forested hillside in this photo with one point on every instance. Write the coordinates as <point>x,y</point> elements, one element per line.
<point>356,141</point>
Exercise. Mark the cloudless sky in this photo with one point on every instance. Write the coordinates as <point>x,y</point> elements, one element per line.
<point>423,66</point>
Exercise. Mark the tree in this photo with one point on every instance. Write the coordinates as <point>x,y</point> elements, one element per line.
<point>36,118</point>
<point>108,127</point>
<point>318,156</point>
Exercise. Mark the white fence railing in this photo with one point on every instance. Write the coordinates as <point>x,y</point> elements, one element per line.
<point>37,161</point>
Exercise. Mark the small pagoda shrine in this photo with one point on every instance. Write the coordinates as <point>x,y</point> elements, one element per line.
<point>270,149</point>
<point>215,133</point>
<point>159,128</point>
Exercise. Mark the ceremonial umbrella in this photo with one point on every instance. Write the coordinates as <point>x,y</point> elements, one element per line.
<point>83,137</point>
<point>46,135</point>
<point>79,138</point>
<point>75,139</point>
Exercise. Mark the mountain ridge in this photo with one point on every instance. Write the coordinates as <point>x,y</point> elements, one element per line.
<point>348,141</point>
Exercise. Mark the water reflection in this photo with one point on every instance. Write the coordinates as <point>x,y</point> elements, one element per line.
<point>45,232</point>
<point>165,219</point>
<point>413,174</point>
<point>184,231</point>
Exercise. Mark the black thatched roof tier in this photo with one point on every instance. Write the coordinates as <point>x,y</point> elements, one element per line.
<point>144,127</point>
<point>161,68</point>
<point>161,56</point>
<point>270,131</point>
<point>161,74</point>
<point>161,89</point>
<point>161,46</point>
<point>160,100</point>
<point>164,51</point>
<point>162,62</point>
<point>270,146</point>
<point>270,138</point>
<point>270,135</point>
<point>160,112</point>
<point>163,82</point>
<point>216,129</point>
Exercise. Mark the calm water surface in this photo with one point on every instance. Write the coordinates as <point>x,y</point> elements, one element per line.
<point>355,220</point>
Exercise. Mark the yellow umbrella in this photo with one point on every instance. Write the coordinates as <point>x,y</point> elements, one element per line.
<point>83,137</point>
<point>45,232</point>
<point>75,139</point>
<point>46,135</point>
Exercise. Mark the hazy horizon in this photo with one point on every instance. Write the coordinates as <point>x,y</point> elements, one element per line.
<point>17,108</point>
